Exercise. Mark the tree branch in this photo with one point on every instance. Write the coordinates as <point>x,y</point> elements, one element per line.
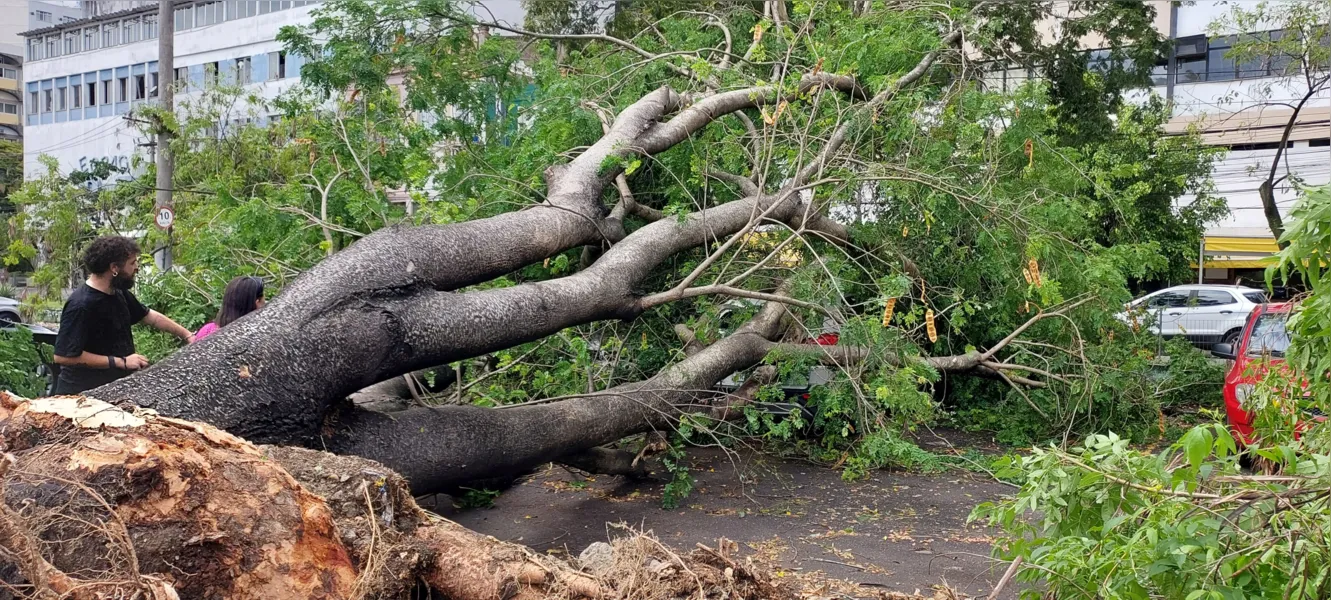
<point>746,186</point>
<point>599,37</point>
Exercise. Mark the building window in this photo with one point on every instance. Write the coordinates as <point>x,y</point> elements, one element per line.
<point>244,73</point>
<point>210,73</point>
<point>8,73</point>
<point>1190,53</point>
<point>43,16</point>
<point>1219,66</point>
<point>9,109</point>
<point>122,89</point>
<point>52,46</point>
<point>75,96</point>
<point>1200,59</point>
<point>182,74</point>
<point>153,82</point>
<point>245,8</point>
<point>207,14</point>
<point>184,18</point>
<point>150,27</point>
<point>109,35</point>
<point>32,103</point>
<point>277,65</point>
<point>71,43</point>
<point>92,93</point>
<point>106,91</point>
<point>34,49</point>
<point>129,31</point>
<point>90,39</point>
<point>60,98</point>
<point>140,87</point>
<point>48,101</point>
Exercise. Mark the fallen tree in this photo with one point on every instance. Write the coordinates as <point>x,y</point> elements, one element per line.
<point>410,297</point>
<point>396,301</point>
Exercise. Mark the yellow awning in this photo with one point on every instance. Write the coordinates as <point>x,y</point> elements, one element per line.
<point>1241,244</point>
<point>1250,263</point>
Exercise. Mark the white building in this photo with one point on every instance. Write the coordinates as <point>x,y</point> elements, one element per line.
<point>83,79</point>
<point>1243,108</point>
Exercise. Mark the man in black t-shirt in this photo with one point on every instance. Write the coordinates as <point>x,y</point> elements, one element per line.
<point>94,345</point>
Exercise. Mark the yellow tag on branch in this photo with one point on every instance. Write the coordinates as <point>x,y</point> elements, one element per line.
<point>1034,268</point>
<point>929,325</point>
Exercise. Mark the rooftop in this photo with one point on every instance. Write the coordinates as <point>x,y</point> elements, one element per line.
<point>139,10</point>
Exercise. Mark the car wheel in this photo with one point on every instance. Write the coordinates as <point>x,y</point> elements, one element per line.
<point>1232,337</point>
<point>9,318</point>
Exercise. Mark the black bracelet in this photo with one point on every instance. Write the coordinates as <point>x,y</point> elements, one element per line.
<point>110,362</point>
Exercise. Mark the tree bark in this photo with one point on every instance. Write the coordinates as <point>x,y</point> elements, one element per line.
<point>439,448</point>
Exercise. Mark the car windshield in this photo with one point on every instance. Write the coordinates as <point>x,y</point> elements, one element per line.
<point>1269,335</point>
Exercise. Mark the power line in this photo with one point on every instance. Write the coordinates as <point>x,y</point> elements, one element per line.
<point>83,138</point>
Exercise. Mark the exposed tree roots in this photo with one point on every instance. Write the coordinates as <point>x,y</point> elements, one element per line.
<point>100,502</point>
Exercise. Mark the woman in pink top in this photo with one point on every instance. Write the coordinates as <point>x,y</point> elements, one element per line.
<point>243,296</point>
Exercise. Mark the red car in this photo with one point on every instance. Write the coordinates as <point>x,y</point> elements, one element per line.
<point>1261,346</point>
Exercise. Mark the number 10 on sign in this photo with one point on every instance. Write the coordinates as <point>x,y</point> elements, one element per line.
<point>165,217</point>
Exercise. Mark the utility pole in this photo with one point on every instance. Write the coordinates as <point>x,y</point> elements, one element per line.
<point>166,166</point>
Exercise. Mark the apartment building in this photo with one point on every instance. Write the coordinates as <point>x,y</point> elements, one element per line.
<point>46,14</point>
<point>83,79</point>
<point>1244,108</point>
<point>11,96</point>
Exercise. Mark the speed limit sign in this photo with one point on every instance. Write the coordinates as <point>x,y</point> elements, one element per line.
<point>165,217</point>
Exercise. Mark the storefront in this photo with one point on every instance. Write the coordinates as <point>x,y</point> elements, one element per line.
<point>1237,260</point>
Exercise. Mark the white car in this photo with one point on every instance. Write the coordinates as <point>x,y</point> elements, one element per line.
<point>1205,314</point>
<point>9,311</point>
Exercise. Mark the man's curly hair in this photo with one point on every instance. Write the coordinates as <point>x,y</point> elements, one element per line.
<point>106,251</point>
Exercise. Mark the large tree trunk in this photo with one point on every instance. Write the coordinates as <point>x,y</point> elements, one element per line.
<point>437,448</point>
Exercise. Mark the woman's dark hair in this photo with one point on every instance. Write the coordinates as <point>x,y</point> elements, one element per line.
<point>106,251</point>
<point>239,299</point>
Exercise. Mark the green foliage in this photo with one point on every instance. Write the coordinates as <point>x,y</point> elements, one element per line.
<point>11,171</point>
<point>19,360</point>
<point>56,216</point>
<point>1114,522</point>
<point>1084,93</point>
<point>1129,388</point>
<point>883,449</point>
<point>477,498</point>
<point>681,481</point>
<point>1290,56</point>
<point>1306,256</point>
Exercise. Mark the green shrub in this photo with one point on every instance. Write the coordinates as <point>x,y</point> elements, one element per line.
<point>19,359</point>
<point>1106,521</point>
